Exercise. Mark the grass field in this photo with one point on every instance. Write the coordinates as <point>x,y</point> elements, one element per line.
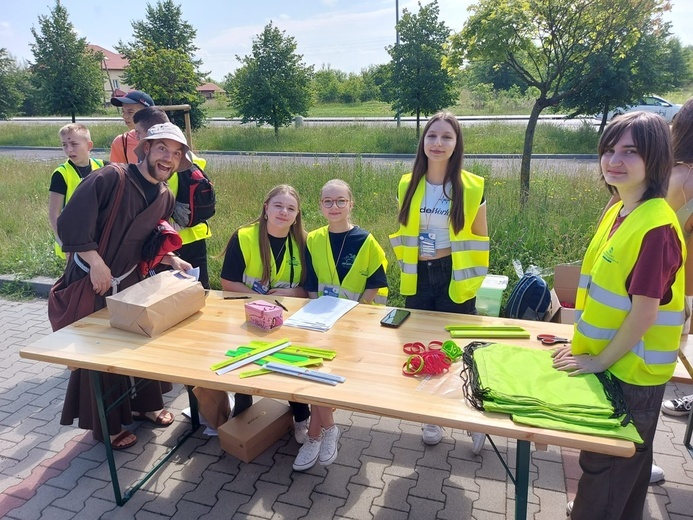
<point>554,227</point>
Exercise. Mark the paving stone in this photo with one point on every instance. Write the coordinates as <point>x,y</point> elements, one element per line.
<point>361,423</point>
<point>33,507</point>
<point>323,506</point>
<point>226,505</point>
<point>436,456</point>
<point>458,503</point>
<point>463,475</point>
<point>550,476</point>
<point>410,438</point>
<point>491,496</point>
<point>206,491</point>
<point>189,510</point>
<point>403,463</point>
<point>95,508</point>
<point>381,444</point>
<point>383,513</point>
<point>262,502</point>
<point>388,424</point>
<point>371,472</point>
<point>284,511</point>
<point>301,488</point>
<point>394,493</point>
<point>429,484</point>
<point>680,496</point>
<point>350,450</point>
<point>69,478</point>
<point>335,483</point>
<point>424,508</point>
<point>358,504</point>
<point>552,504</point>
<point>55,513</point>
<point>166,500</point>
<point>78,495</point>
<point>282,470</point>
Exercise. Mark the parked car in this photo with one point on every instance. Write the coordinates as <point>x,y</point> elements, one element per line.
<point>651,103</point>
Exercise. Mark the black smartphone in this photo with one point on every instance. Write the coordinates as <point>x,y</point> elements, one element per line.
<point>394,318</point>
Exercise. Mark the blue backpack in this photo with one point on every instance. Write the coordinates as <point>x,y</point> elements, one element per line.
<point>529,299</point>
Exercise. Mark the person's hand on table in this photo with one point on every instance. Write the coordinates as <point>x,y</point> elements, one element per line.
<point>565,361</point>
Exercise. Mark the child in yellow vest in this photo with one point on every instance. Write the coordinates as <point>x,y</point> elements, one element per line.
<point>629,307</point>
<point>77,145</point>
<point>343,261</point>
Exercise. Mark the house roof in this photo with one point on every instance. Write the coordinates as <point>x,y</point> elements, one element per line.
<point>113,61</point>
<point>210,87</point>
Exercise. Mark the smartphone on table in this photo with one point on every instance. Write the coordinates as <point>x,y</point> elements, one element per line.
<point>394,318</point>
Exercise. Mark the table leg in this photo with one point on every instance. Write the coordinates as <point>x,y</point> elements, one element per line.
<point>522,459</point>
<point>98,393</point>
<point>689,432</point>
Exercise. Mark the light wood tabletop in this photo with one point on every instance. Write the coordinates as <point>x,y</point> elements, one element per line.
<point>368,355</point>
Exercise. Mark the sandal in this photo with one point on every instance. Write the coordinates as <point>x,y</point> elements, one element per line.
<point>117,442</point>
<point>160,419</point>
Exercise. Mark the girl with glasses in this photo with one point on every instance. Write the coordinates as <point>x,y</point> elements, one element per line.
<point>442,244</point>
<point>343,261</point>
<point>267,256</point>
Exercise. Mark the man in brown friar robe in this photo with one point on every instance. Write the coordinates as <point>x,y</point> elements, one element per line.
<point>146,200</point>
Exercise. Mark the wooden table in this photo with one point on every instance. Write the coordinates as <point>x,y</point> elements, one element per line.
<point>369,356</point>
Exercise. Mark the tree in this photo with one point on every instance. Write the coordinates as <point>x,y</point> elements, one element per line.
<point>642,70</point>
<point>273,83</point>
<point>66,72</point>
<point>419,82</point>
<point>12,96</point>
<point>161,60</point>
<point>551,44</point>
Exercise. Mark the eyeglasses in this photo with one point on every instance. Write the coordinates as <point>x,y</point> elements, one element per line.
<point>328,203</point>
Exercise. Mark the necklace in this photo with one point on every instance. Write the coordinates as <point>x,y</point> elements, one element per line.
<point>335,273</point>
<point>275,262</point>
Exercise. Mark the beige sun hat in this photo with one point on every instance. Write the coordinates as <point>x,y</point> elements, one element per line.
<point>166,131</point>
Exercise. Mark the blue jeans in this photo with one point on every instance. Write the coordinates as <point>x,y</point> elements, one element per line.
<point>432,289</point>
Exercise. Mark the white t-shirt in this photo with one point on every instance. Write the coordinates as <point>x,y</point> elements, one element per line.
<point>435,213</point>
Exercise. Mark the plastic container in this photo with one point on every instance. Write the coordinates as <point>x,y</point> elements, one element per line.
<point>490,294</point>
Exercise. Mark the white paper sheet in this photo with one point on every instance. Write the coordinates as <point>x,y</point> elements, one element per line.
<point>320,314</point>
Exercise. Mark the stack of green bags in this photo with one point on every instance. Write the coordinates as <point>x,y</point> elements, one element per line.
<point>522,382</point>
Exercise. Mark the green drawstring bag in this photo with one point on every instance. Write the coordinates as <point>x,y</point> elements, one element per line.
<point>522,382</point>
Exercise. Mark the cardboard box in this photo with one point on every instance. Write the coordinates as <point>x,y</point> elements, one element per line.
<point>155,304</point>
<point>565,283</point>
<point>490,294</point>
<point>249,434</point>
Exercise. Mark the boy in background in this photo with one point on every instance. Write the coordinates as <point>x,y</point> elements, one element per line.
<point>194,249</point>
<point>123,146</point>
<point>77,145</point>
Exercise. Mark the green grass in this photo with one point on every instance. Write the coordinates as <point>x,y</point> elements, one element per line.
<point>493,137</point>
<point>555,226</point>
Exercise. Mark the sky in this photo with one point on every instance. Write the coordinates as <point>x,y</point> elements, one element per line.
<point>348,35</point>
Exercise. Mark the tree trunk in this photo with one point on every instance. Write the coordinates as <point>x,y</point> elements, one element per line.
<point>527,151</point>
<point>73,117</point>
<point>605,112</point>
<point>418,123</point>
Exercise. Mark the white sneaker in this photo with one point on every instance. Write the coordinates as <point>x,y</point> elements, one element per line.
<point>656,475</point>
<point>569,508</point>
<point>678,407</point>
<point>307,455</point>
<point>478,440</point>
<point>432,434</point>
<point>330,446</point>
<point>301,431</point>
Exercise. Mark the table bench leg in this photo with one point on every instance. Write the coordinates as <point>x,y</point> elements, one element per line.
<point>522,459</point>
<point>689,432</point>
<point>119,497</point>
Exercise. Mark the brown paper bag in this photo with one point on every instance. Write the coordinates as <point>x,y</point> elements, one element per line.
<point>155,304</point>
<point>213,405</point>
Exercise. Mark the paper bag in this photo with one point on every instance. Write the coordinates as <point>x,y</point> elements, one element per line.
<point>155,304</point>
<point>213,405</point>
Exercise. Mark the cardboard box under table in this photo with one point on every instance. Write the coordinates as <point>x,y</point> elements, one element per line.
<point>252,432</point>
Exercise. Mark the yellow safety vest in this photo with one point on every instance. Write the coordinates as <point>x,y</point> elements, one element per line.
<point>202,230</point>
<point>470,252</point>
<point>249,240</point>
<point>72,180</point>
<point>369,258</point>
<point>602,302</point>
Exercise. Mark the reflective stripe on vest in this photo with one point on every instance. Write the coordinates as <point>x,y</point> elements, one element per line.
<point>249,241</point>
<point>470,253</point>
<point>602,302</point>
<point>366,262</point>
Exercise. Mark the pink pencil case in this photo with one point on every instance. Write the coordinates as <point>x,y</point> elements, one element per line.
<point>263,314</point>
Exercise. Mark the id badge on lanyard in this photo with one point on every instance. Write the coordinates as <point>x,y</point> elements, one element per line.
<point>427,244</point>
<point>259,288</point>
<point>329,290</point>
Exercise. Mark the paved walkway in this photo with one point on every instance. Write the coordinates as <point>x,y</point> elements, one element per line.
<point>383,470</point>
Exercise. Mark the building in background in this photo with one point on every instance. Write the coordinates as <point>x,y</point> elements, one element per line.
<point>113,65</point>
